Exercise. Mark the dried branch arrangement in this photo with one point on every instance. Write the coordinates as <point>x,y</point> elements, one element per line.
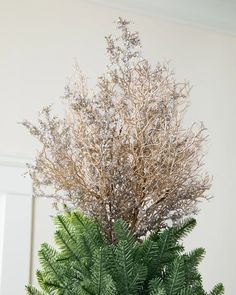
<point>122,151</point>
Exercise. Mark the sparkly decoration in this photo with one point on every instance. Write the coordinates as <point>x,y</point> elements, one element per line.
<point>123,152</point>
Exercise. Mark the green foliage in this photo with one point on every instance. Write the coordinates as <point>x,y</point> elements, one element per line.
<point>87,264</point>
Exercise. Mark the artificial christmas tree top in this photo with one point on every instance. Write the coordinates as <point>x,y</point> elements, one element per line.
<point>87,264</point>
<point>123,158</point>
<point>122,151</point>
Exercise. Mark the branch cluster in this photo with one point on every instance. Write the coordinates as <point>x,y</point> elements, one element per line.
<point>122,152</point>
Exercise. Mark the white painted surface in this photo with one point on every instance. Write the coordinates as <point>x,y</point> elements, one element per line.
<point>15,230</point>
<point>217,15</point>
<point>2,221</point>
<point>39,40</point>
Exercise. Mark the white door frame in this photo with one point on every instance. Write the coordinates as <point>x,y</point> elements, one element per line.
<point>15,226</point>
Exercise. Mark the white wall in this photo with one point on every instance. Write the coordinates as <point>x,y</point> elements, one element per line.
<point>39,40</point>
